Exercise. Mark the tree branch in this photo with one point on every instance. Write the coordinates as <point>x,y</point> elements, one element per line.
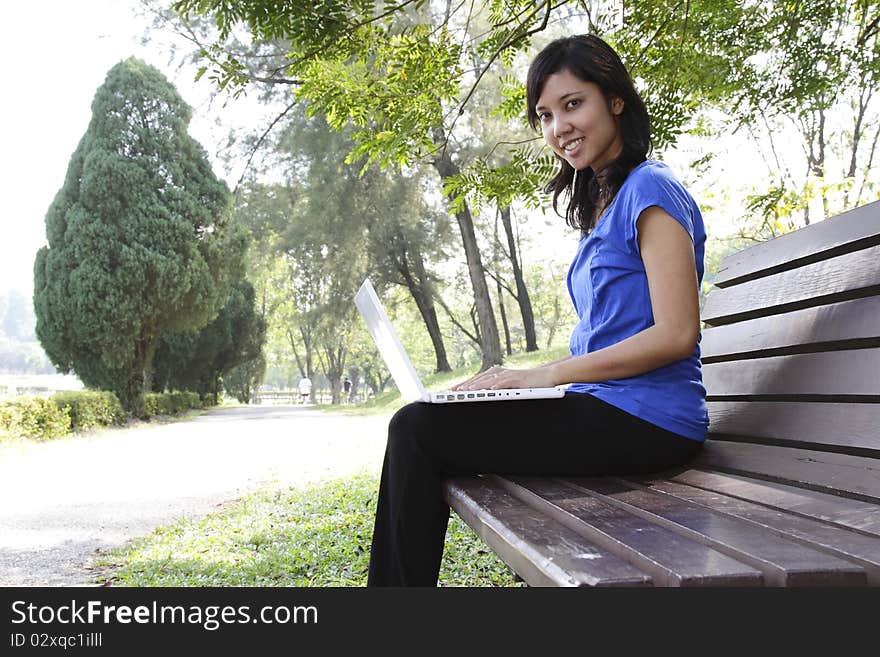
<point>869,31</point>
<point>654,36</point>
<point>495,277</point>
<point>515,37</point>
<point>449,314</point>
<point>260,143</point>
<point>868,165</point>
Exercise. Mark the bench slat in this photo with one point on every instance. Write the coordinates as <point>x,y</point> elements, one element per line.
<point>670,558</point>
<point>846,230</point>
<point>538,549</point>
<point>834,373</point>
<point>837,326</point>
<point>838,474</point>
<point>851,545</point>
<point>854,426</point>
<point>844,512</point>
<point>782,561</point>
<point>829,281</point>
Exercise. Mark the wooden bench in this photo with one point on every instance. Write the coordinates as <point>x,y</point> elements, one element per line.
<point>787,489</point>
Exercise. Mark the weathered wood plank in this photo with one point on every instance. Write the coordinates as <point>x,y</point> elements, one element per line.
<point>782,561</point>
<point>671,559</point>
<point>855,426</point>
<point>836,326</point>
<point>844,512</point>
<point>829,281</point>
<point>838,474</point>
<point>846,230</point>
<point>834,373</point>
<point>851,545</point>
<point>540,550</point>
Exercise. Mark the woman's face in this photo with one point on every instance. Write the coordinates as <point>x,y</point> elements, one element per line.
<point>577,122</point>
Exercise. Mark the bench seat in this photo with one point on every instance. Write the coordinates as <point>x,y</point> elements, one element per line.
<point>786,491</point>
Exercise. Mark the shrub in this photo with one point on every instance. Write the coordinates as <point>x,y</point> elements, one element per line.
<point>34,417</point>
<point>184,400</point>
<point>90,408</point>
<point>169,403</point>
<point>155,403</point>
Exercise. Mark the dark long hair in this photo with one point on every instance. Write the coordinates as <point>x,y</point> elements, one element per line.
<point>591,59</point>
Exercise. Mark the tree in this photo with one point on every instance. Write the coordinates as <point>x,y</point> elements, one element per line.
<point>407,79</point>
<point>404,236</point>
<point>400,72</point>
<point>403,75</point>
<point>243,380</point>
<point>816,82</point>
<point>327,217</point>
<point>385,211</point>
<point>199,360</point>
<point>139,238</point>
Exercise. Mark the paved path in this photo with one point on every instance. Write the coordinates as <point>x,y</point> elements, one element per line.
<point>61,501</point>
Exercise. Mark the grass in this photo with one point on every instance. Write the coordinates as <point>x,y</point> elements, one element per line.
<point>317,536</point>
<point>390,401</point>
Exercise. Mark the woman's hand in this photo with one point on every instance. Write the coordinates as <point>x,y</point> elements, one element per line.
<point>496,378</point>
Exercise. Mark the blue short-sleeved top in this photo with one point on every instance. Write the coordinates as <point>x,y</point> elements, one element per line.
<point>609,288</point>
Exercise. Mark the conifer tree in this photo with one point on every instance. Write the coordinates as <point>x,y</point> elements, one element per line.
<point>139,237</point>
<point>200,360</point>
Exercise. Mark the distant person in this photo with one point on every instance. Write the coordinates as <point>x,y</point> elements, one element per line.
<point>305,389</point>
<point>346,387</point>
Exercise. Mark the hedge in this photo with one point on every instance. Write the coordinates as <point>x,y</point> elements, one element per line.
<point>64,412</point>
<point>170,403</point>
<point>34,417</point>
<point>91,408</point>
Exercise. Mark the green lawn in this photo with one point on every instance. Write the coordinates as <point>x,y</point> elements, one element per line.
<point>315,536</point>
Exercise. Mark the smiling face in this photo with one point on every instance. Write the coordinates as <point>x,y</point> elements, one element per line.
<point>578,122</point>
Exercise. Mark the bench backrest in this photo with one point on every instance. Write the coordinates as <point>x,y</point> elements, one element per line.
<point>791,348</point>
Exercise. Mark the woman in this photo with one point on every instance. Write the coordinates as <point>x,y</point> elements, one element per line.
<point>636,402</point>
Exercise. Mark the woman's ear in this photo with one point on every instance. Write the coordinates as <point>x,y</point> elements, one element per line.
<point>616,105</point>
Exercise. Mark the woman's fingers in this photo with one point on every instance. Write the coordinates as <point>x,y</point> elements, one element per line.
<point>482,381</point>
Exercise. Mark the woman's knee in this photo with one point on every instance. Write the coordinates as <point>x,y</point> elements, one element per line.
<point>409,427</point>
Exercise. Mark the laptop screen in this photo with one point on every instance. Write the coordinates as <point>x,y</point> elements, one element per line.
<point>389,345</point>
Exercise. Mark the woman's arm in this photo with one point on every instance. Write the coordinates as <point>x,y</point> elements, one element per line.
<point>485,380</point>
<point>668,254</point>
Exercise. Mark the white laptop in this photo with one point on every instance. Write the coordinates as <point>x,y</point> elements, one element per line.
<point>403,372</point>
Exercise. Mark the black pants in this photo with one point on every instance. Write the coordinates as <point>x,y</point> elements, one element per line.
<point>575,435</point>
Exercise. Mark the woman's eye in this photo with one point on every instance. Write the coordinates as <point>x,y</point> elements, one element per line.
<point>574,102</point>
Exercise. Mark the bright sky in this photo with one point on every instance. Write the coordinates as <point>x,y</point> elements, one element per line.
<point>58,53</point>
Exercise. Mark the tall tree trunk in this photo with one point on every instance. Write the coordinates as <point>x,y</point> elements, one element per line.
<point>557,313</point>
<point>412,270</point>
<point>305,366</point>
<point>490,343</point>
<point>424,299</point>
<point>430,313</point>
<point>503,317</point>
<point>408,263</point>
<point>522,294</point>
<point>334,365</point>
